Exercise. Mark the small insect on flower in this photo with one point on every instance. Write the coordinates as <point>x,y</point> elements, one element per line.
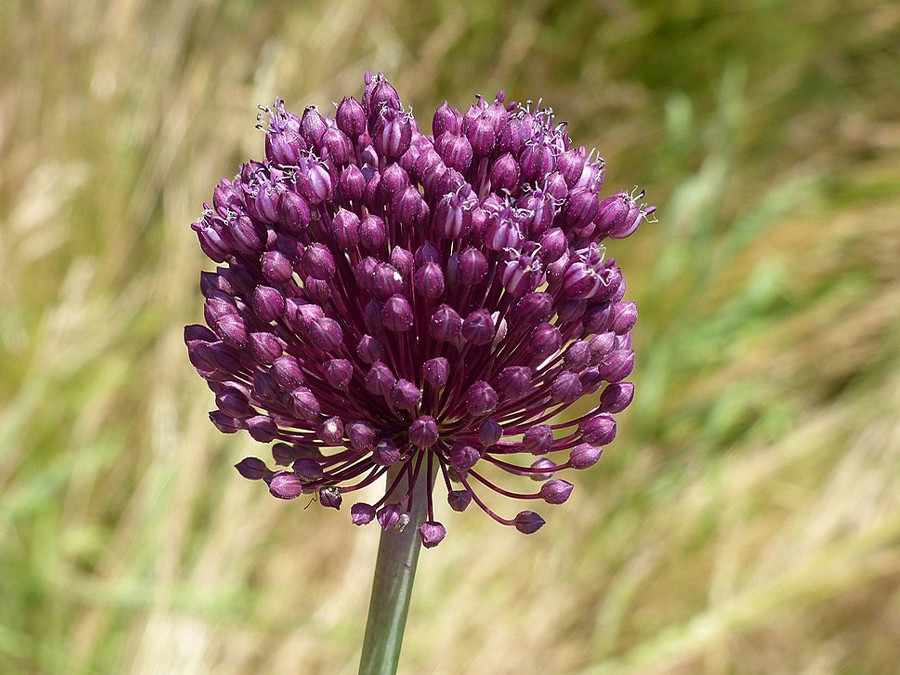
<point>389,301</point>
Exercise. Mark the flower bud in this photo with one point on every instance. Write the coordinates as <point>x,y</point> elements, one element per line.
<point>337,147</point>
<point>463,456</point>
<point>577,356</point>
<point>308,469</point>
<point>513,136</point>
<point>553,245</point>
<point>445,324</point>
<point>456,151</point>
<point>618,216</point>
<point>261,428</point>
<point>293,212</point>
<point>252,468</point>
<point>312,126</point>
<point>361,435</point>
<point>616,365</point>
<point>556,491</point>
<point>538,439</point>
<point>566,388</point>
<point>459,500</point>
<point>351,118</point>
<point>362,514</point>
<point>405,395</point>
<point>599,430</point>
<point>409,208</point>
<point>436,371</point>
<point>318,262</point>
<point>478,328</point>
<point>380,380</point>
<point>386,281</point>
<point>304,404</point>
<point>432,533</point>
<point>534,307</point>
<point>584,455</point>
<point>536,161</point>
<point>616,397</point>
<point>528,522</point>
<point>392,134</point>
<point>331,431</point>
<point>505,173</point>
<point>481,136</point>
<point>345,228</point>
<point>389,516</point>
<point>371,233</point>
<point>224,423</point>
<point>276,268</point>
<point>545,341</point>
<point>446,119</point>
<point>287,372</point>
<point>423,432</point>
<point>542,469</point>
<point>430,281</point>
<point>403,260</point>
<point>624,317</point>
<point>338,373</point>
<point>481,399</point>
<point>472,267</point>
<point>330,497</point>
<point>286,485</point>
<point>515,381</point>
<point>491,432</point>
<point>267,303</point>
<point>386,452</point>
<point>265,347</point>
<point>397,314</point>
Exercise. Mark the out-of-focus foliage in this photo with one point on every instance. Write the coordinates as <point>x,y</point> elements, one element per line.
<point>747,520</point>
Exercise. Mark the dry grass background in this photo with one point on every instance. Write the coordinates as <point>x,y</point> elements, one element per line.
<point>747,520</point>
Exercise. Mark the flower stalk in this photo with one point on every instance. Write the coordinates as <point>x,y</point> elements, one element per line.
<point>395,571</point>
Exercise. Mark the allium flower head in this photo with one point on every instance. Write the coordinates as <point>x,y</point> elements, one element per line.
<point>389,298</point>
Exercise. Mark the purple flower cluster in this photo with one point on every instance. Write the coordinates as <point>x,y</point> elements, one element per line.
<point>421,306</point>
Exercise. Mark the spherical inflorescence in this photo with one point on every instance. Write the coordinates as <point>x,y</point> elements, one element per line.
<point>430,304</point>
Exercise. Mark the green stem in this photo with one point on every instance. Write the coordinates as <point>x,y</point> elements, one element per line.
<point>395,571</point>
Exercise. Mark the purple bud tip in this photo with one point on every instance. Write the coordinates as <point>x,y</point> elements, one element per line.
<point>362,514</point>
<point>361,435</point>
<point>462,456</point>
<point>386,452</point>
<point>389,516</point>
<point>528,522</point>
<point>491,432</point>
<point>436,372</point>
<point>405,395</point>
<point>538,439</point>
<point>459,500</point>
<point>284,454</point>
<point>423,432</point>
<point>330,497</point>
<point>286,485</point>
<point>599,430</point>
<point>556,491</point>
<point>584,455</point>
<point>616,397</point>
<point>481,399</point>
<point>397,314</point>
<point>432,533</point>
<point>542,469</point>
<point>252,468</point>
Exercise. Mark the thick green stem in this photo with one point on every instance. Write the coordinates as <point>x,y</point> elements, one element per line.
<point>395,571</point>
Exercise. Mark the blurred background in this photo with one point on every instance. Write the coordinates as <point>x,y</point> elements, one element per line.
<point>746,520</point>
